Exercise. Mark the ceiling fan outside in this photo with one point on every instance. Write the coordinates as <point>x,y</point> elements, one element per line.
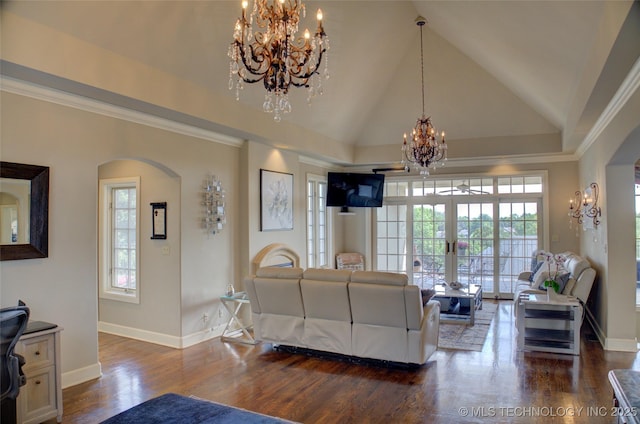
<point>463,188</point>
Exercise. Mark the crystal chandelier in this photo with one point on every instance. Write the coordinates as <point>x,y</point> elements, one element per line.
<point>274,55</point>
<point>423,151</point>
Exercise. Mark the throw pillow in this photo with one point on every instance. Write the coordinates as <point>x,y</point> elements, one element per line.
<point>562,281</point>
<point>541,274</point>
<point>535,269</point>
<point>427,294</point>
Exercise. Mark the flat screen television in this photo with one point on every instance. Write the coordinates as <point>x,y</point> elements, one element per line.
<point>346,189</point>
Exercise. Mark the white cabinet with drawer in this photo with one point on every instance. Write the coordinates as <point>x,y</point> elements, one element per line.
<point>41,398</point>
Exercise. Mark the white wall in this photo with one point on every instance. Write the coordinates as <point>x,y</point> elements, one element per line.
<point>260,156</point>
<point>63,287</point>
<point>609,162</point>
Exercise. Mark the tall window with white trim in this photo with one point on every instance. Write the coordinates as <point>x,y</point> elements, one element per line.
<point>119,235</point>
<point>317,222</point>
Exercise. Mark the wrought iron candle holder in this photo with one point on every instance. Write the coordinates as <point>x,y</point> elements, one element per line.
<point>585,209</point>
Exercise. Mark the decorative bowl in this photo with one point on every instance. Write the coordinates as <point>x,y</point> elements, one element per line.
<point>455,285</point>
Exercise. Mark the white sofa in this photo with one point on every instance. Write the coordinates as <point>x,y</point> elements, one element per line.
<point>374,315</point>
<point>581,277</point>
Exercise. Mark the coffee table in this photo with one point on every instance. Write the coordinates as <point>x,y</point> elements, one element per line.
<point>459,306</point>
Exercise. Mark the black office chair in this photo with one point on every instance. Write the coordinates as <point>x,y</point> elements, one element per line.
<point>13,322</point>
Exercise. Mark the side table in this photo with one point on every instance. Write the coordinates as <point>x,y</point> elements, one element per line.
<point>549,325</point>
<point>236,329</point>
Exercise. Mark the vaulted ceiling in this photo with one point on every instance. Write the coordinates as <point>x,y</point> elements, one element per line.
<point>501,77</point>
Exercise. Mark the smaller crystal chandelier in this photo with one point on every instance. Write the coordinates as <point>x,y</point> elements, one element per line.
<point>424,151</point>
<point>272,54</point>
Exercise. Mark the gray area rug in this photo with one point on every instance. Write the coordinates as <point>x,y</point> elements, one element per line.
<point>172,408</point>
<point>466,337</point>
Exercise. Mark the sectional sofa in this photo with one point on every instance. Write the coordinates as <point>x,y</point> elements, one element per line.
<point>364,314</point>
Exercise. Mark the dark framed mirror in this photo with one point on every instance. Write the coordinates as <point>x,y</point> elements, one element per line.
<point>27,188</point>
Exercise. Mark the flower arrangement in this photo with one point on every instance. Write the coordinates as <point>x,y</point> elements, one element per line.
<point>558,261</point>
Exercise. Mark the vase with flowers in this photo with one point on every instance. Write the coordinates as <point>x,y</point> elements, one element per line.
<point>550,283</point>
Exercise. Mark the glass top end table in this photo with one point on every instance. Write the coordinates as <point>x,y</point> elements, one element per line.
<point>237,330</point>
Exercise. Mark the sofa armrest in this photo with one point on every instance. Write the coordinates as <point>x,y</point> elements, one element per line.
<point>431,311</point>
<point>424,342</point>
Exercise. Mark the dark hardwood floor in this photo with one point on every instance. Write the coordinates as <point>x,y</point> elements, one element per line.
<point>499,384</point>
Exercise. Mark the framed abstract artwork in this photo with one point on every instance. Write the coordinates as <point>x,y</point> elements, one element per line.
<point>276,201</point>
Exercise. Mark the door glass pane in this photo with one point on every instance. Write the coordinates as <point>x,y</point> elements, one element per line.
<point>475,228</point>
<point>429,244</point>
<point>392,238</point>
<point>518,240</point>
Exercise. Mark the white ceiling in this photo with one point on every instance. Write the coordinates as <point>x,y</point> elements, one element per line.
<point>493,69</point>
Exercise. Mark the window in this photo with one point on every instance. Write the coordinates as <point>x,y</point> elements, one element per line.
<point>480,230</point>
<point>119,234</point>
<point>317,222</point>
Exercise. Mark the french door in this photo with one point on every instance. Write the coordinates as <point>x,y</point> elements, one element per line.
<point>474,241</point>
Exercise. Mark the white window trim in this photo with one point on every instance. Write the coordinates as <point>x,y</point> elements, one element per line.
<point>329,222</point>
<point>104,241</point>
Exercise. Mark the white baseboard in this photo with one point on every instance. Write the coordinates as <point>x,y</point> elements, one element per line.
<point>159,338</point>
<point>202,336</point>
<point>621,345</point>
<point>594,325</point>
<point>81,375</point>
<point>610,343</point>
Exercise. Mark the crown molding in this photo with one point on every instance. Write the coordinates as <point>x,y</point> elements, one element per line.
<point>51,95</point>
<point>317,162</point>
<point>624,93</point>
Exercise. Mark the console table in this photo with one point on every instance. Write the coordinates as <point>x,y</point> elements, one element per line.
<point>41,398</point>
<point>236,330</point>
<point>549,326</point>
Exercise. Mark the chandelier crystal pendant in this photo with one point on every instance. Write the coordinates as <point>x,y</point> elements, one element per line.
<point>265,48</point>
<point>423,150</point>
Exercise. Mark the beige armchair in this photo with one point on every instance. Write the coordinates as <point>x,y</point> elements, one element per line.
<point>352,261</point>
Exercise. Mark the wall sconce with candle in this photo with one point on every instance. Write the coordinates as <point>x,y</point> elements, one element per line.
<point>585,209</point>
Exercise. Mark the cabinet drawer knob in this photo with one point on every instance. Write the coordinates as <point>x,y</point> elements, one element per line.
<point>37,381</point>
<point>37,353</point>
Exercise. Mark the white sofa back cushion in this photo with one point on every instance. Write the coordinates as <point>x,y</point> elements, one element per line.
<point>379,321</point>
<point>327,324</point>
<point>279,272</point>
<point>280,299</point>
<point>377,277</point>
<point>327,274</point>
<point>576,265</point>
<point>326,296</point>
